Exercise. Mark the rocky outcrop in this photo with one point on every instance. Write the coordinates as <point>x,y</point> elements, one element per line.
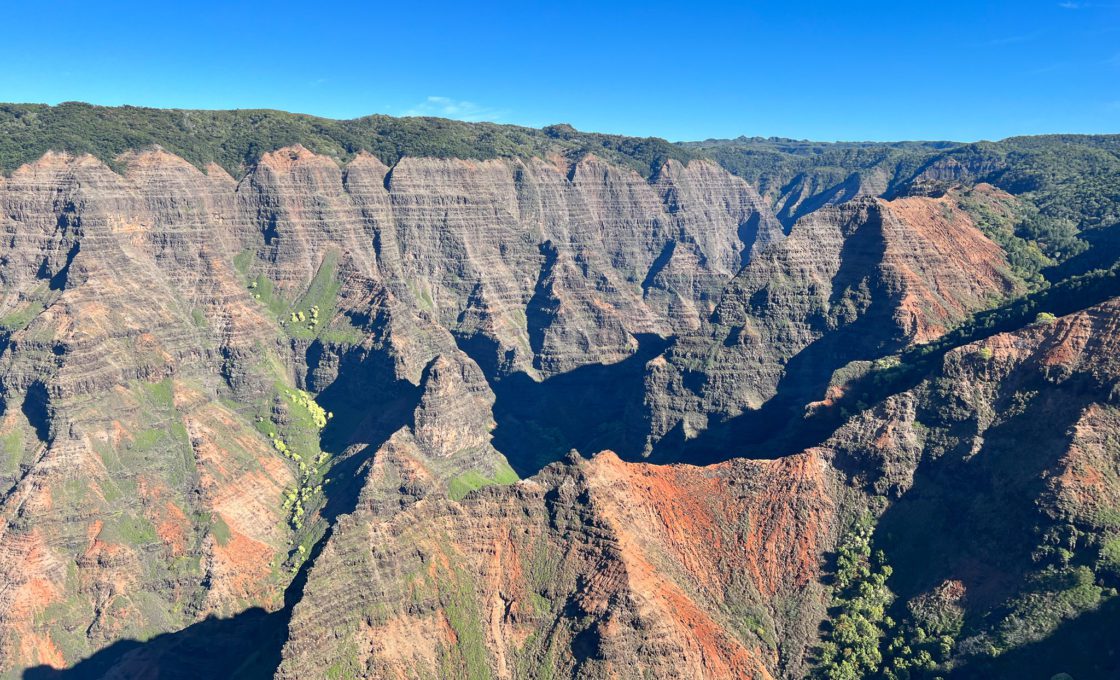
<point>154,506</point>
<point>999,484</point>
<point>854,281</point>
<point>579,568</point>
<point>597,570</point>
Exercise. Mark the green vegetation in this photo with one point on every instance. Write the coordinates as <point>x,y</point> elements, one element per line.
<point>860,599</point>
<point>19,443</point>
<point>1069,177</point>
<point>11,451</point>
<point>315,313</point>
<point>345,664</point>
<point>19,319</point>
<point>131,530</point>
<point>318,302</point>
<point>293,422</point>
<point>157,439</point>
<point>263,290</point>
<point>30,304</point>
<point>161,393</point>
<point>1053,595</point>
<point>467,482</point>
<point>442,581</point>
<point>237,139</point>
<point>221,530</point>
<point>1031,239</point>
<point>863,640</point>
<point>542,570</point>
<point>923,643</point>
<point>1110,555</point>
<point>756,623</point>
<point>243,261</point>
<point>469,659</point>
<point>306,420</point>
<point>1031,243</point>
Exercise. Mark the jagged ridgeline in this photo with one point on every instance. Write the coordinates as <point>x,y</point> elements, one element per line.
<point>283,396</point>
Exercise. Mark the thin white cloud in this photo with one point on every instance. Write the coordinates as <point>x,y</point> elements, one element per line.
<point>446,107</point>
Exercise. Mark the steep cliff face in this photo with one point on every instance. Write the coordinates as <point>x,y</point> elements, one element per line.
<point>854,281</point>
<point>159,461</point>
<point>302,399</point>
<point>157,505</point>
<point>477,246</point>
<point>606,568</point>
<point>601,569</point>
<point>998,475</point>
<point>134,500</point>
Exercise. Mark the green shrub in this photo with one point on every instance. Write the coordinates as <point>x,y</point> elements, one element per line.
<point>860,596</point>
<point>237,139</point>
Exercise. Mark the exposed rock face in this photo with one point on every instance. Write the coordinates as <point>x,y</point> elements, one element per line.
<point>134,509</point>
<point>599,570</point>
<point>854,281</point>
<point>1010,433</point>
<point>686,555</point>
<point>157,506</point>
<point>287,391</point>
<point>453,413</point>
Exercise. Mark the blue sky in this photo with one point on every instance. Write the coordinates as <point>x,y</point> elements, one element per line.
<point>681,70</point>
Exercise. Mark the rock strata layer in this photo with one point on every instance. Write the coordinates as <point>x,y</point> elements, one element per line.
<point>296,406</point>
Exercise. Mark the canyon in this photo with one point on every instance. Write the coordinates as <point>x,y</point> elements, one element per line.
<point>544,403</point>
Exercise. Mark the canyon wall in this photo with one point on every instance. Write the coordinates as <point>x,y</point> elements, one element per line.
<point>511,417</point>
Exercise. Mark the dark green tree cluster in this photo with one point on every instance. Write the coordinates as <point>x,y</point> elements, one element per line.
<point>1031,240</point>
<point>237,139</point>
<point>862,640</point>
<point>924,641</point>
<point>1069,177</point>
<point>852,648</point>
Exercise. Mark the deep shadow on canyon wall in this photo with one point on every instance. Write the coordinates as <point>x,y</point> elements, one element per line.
<point>243,646</point>
<point>589,409</point>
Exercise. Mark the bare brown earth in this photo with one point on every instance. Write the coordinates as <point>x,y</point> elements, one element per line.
<point>604,569</point>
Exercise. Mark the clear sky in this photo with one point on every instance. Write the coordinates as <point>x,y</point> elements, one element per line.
<point>954,69</point>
